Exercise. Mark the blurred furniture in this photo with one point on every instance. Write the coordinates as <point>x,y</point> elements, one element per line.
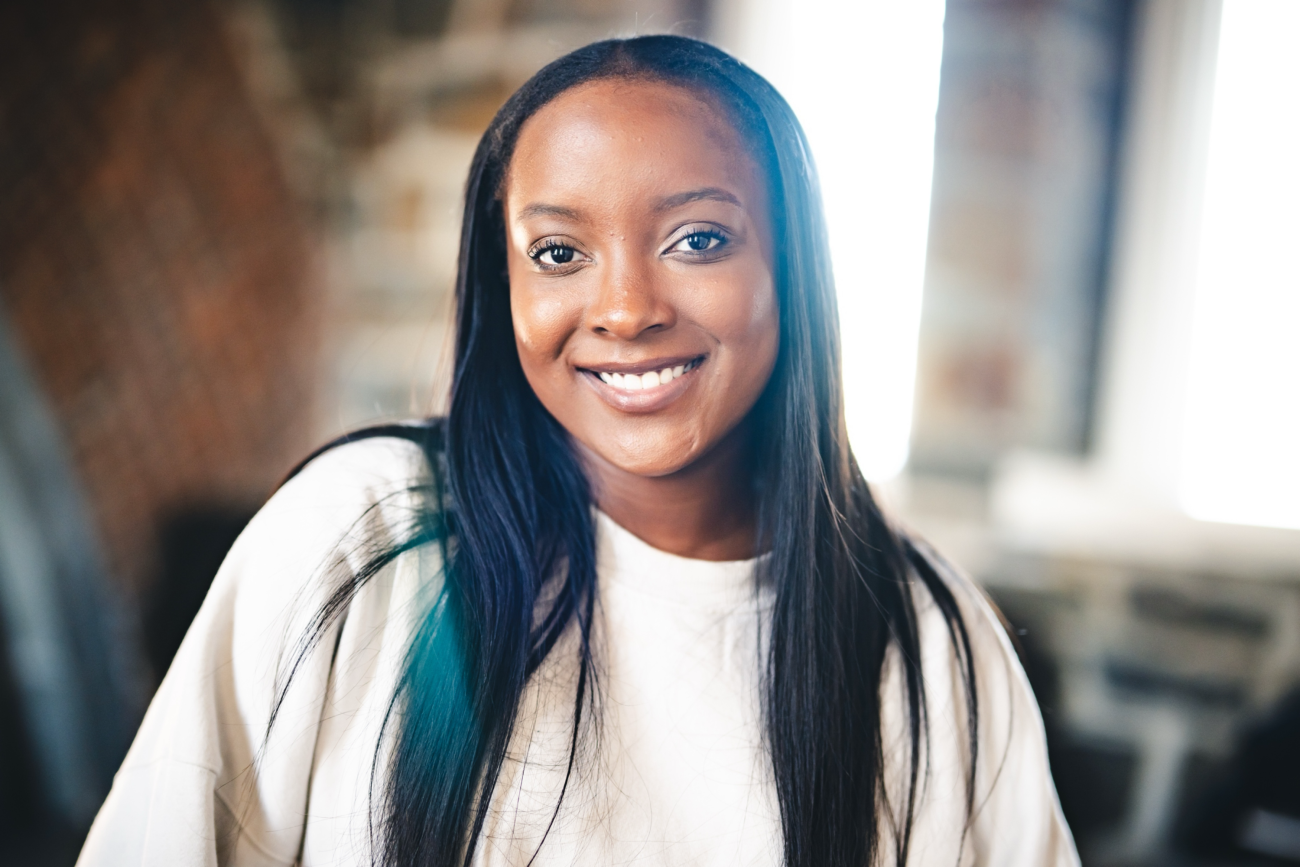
<point>1160,667</point>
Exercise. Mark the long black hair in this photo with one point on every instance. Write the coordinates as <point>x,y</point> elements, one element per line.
<point>512,509</point>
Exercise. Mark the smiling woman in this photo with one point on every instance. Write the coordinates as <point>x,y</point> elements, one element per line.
<point>632,601</point>
<point>645,315</point>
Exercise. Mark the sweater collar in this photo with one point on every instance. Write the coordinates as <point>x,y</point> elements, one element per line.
<point>626,560</point>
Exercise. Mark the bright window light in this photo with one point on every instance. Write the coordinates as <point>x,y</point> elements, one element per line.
<point>1241,459</point>
<point>863,77</point>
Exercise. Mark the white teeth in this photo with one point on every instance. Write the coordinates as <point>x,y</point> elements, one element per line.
<point>650,379</point>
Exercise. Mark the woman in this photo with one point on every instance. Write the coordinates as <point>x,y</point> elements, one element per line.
<point>632,601</point>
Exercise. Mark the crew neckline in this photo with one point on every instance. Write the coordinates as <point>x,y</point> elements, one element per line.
<point>625,559</point>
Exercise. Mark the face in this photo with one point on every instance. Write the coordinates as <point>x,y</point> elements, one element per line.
<point>639,247</point>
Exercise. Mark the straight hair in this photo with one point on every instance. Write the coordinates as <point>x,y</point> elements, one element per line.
<point>510,506</point>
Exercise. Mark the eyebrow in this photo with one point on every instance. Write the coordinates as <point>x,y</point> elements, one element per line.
<point>668,203</point>
<point>716,194</point>
<point>541,209</point>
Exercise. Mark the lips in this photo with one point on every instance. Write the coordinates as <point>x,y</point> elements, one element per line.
<point>644,385</point>
<point>632,381</point>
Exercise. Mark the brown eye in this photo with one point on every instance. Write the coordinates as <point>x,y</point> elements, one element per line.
<point>555,255</point>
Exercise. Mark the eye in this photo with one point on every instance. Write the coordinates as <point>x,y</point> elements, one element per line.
<point>700,241</point>
<point>555,254</point>
<point>552,254</point>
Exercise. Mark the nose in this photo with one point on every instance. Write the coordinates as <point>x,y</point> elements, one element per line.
<point>628,303</point>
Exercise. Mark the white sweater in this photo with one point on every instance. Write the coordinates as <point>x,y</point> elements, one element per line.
<point>675,774</point>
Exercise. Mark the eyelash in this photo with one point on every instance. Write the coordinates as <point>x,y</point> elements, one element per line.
<point>702,232</point>
<point>545,245</point>
<point>542,247</point>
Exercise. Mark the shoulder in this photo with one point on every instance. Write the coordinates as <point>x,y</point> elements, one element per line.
<point>327,520</point>
<point>952,606</point>
<point>1016,818</point>
<point>365,464</point>
<point>210,720</point>
<point>962,634</point>
<point>311,538</point>
<point>373,476</point>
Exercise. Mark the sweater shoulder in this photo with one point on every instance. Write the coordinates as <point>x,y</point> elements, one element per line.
<point>356,471</point>
<point>328,519</point>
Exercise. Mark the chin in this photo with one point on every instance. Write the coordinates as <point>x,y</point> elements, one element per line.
<point>649,466</point>
<point>651,461</point>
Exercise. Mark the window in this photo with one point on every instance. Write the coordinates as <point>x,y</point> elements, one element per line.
<point>863,77</point>
<point>1241,437</point>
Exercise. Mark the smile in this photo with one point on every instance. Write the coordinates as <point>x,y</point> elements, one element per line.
<point>646,386</point>
<point>633,381</point>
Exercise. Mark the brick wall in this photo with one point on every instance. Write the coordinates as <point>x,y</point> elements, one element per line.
<point>1026,139</point>
<point>152,262</point>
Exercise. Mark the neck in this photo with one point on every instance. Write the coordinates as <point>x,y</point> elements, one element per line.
<point>705,511</point>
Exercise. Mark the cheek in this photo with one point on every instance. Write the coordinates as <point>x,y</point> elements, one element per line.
<point>543,322</point>
<point>744,314</point>
<point>756,337</point>
<point>764,336</point>
<point>763,312</point>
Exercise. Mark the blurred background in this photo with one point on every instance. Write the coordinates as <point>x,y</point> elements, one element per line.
<point>228,230</point>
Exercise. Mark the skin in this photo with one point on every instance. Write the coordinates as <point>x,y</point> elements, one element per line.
<point>639,237</point>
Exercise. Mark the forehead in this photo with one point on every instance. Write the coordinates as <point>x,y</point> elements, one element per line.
<point>612,134</point>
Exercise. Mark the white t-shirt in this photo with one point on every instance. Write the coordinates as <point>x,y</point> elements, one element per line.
<point>674,774</point>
